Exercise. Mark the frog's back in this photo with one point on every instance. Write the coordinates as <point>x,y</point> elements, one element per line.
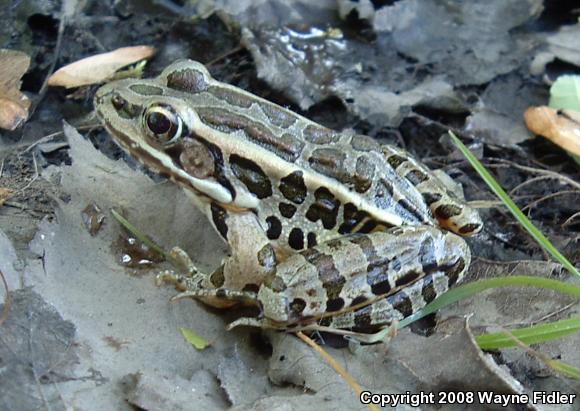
<point>305,182</point>
<point>353,168</point>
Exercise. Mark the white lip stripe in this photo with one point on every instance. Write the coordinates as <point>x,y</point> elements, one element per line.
<point>230,143</point>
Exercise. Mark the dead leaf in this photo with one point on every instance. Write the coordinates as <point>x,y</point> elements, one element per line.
<point>12,114</point>
<point>562,127</point>
<point>93,218</point>
<point>98,68</point>
<point>155,390</point>
<point>38,348</point>
<point>5,194</point>
<point>198,342</point>
<point>13,104</point>
<point>565,44</point>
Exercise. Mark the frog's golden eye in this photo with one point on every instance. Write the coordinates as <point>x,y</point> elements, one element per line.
<point>163,123</point>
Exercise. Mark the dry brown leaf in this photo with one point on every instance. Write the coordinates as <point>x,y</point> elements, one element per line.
<point>12,114</point>
<point>5,194</point>
<point>98,68</point>
<point>562,127</point>
<point>13,104</point>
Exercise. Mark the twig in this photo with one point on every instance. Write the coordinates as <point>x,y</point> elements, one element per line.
<point>547,197</point>
<point>553,174</point>
<point>36,175</point>
<point>336,366</point>
<point>7,301</point>
<point>484,203</point>
<point>42,140</point>
<point>224,55</point>
<point>528,182</point>
<point>569,220</point>
<point>545,317</point>
<point>55,134</point>
<point>445,127</point>
<point>57,47</point>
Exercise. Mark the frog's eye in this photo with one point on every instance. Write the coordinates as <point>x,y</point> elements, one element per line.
<point>163,123</point>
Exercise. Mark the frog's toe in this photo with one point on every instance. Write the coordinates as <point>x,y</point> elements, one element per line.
<point>250,322</point>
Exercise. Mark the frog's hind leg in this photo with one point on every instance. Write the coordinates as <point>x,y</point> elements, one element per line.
<point>448,207</point>
<point>364,282</point>
<point>435,261</point>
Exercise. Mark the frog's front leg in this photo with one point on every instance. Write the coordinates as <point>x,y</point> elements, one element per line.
<point>251,263</point>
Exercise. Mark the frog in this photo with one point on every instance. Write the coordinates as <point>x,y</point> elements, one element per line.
<point>326,230</point>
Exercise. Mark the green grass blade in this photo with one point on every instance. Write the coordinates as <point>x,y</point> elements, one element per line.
<point>565,369</point>
<point>137,233</point>
<point>529,335</point>
<point>527,224</point>
<point>467,290</point>
<point>145,239</point>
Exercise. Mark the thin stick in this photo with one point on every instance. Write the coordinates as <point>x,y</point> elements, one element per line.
<point>571,218</point>
<point>547,197</point>
<point>57,133</point>
<point>336,366</point>
<point>528,182</point>
<point>57,48</point>
<point>502,163</point>
<point>7,300</point>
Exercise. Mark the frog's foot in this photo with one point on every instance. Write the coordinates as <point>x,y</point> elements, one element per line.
<point>182,282</point>
<point>383,336</point>
<point>355,338</point>
<point>225,296</point>
<point>197,287</point>
<point>182,262</point>
<point>263,323</point>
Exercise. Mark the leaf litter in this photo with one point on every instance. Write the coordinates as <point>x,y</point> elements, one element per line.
<point>13,104</point>
<point>139,313</point>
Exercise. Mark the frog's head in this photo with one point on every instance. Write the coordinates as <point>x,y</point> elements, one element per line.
<point>156,122</point>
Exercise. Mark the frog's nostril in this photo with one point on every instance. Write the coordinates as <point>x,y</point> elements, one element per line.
<point>118,102</point>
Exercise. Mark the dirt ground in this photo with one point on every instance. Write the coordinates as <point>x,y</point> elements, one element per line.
<point>83,330</point>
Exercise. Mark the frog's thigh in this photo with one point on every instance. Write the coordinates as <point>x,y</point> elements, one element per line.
<point>410,270</point>
<point>394,272</point>
<point>252,257</point>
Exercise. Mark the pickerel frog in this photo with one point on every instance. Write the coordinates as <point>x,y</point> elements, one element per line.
<point>327,230</point>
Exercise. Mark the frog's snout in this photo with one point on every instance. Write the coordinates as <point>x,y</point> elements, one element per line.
<point>109,103</point>
<point>101,94</point>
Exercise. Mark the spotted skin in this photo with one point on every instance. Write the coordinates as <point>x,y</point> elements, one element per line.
<point>380,296</point>
<point>324,227</point>
<point>219,216</point>
<point>252,176</point>
<point>324,209</point>
<point>293,187</point>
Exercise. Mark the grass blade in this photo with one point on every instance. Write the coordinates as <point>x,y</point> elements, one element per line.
<point>145,239</point>
<point>565,369</point>
<point>503,196</point>
<point>529,335</point>
<point>467,290</point>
